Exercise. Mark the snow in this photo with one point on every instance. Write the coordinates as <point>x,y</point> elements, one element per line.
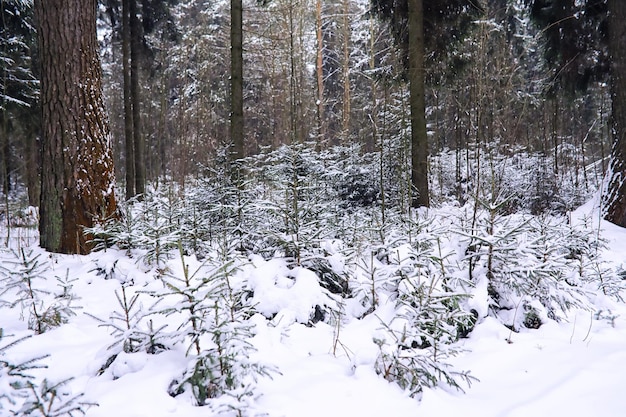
<point>556,370</point>
<point>568,368</point>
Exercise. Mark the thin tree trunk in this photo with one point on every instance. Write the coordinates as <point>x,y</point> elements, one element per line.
<point>419,138</point>
<point>77,176</point>
<point>292,77</point>
<point>33,181</point>
<point>345,114</point>
<point>236,82</point>
<point>135,94</point>
<point>321,133</point>
<point>128,104</point>
<point>5,152</point>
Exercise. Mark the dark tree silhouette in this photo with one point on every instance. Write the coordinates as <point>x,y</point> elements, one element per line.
<point>614,193</point>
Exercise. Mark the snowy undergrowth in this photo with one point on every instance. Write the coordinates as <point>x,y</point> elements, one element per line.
<point>294,297</point>
<point>218,320</point>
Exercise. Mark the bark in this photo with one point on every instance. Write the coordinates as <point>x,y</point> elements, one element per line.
<point>5,151</point>
<point>419,138</point>
<point>77,176</point>
<point>345,114</point>
<point>135,94</point>
<point>128,104</point>
<point>319,67</point>
<point>236,80</point>
<point>293,110</point>
<point>32,175</point>
<point>614,193</point>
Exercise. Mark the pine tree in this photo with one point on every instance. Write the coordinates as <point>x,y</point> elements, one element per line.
<point>236,81</point>
<point>77,165</point>
<point>614,195</point>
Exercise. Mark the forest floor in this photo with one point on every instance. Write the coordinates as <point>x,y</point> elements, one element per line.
<point>573,368</point>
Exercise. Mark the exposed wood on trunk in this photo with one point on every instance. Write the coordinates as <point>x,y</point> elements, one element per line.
<point>77,179</point>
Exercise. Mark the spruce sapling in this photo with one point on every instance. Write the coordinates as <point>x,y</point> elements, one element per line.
<point>429,318</point>
<point>220,364</point>
<point>15,377</point>
<point>52,400</point>
<point>22,277</point>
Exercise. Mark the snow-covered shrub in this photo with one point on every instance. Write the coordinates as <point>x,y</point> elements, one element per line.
<point>430,313</point>
<point>584,246</point>
<point>161,226</point>
<point>131,329</point>
<point>217,208</point>
<point>352,176</point>
<point>52,400</point>
<point>529,179</point>
<point>535,267</point>
<point>14,377</point>
<point>296,204</point>
<point>21,275</point>
<point>212,304</point>
<point>373,276</point>
<point>151,225</point>
<point>414,369</point>
<point>123,231</point>
<point>419,338</point>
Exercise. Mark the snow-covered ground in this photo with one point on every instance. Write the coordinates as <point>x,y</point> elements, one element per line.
<point>571,368</point>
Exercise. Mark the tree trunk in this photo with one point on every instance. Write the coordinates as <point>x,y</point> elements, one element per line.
<point>614,193</point>
<point>32,156</point>
<point>319,68</point>
<point>236,80</point>
<point>135,94</point>
<point>128,104</point>
<point>345,74</point>
<point>419,138</point>
<point>5,151</point>
<point>77,176</point>
<point>292,77</point>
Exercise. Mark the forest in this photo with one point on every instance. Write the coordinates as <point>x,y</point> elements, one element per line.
<point>273,207</point>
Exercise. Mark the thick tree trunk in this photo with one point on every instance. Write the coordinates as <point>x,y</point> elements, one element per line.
<point>128,104</point>
<point>236,81</point>
<point>614,193</point>
<point>419,138</point>
<point>135,94</point>
<point>77,176</point>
